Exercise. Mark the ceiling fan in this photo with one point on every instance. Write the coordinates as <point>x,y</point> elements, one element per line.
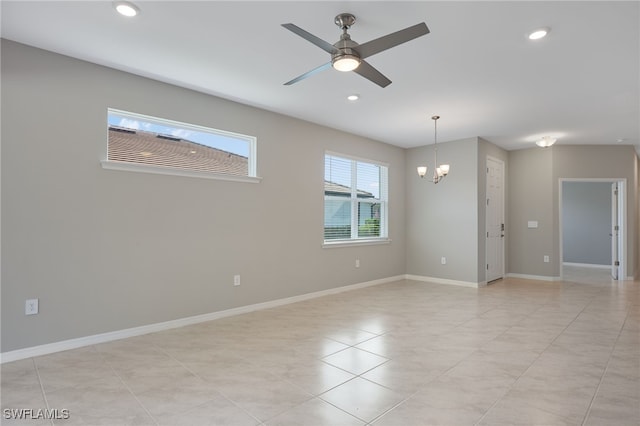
<point>347,55</point>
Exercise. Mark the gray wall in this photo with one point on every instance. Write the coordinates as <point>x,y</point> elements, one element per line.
<point>530,198</point>
<point>586,222</point>
<point>442,219</point>
<point>106,250</point>
<point>604,162</point>
<point>534,176</point>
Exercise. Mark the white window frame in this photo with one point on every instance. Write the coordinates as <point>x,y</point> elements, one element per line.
<point>384,205</point>
<point>176,171</point>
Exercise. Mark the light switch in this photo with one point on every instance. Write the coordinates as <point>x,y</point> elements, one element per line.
<point>532,224</point>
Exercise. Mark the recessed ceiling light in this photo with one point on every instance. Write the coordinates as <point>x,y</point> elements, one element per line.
<point>353,97</point>
<point>539,33</point>
<point>126,8</point>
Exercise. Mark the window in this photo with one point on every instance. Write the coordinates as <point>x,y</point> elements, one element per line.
<point>150,144</point>
<point>355,200</point>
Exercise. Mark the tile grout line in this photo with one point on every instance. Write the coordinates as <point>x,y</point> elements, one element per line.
<point>378,417</point>
<point>113,370</point>
<point>44,394</point>
<point>162,350</point>
<point>613,348</point>
<point>438,376</point>
<point>521,374</point>
<point>533,362</point>
<point>444,372</point>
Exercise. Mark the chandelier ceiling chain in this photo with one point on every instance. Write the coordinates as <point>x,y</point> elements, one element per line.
<point>441,171</point>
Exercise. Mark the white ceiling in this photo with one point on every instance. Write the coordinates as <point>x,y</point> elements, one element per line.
<point>476,68</point>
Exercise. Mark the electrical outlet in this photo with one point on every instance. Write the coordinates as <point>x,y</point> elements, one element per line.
<point>236,280</point>
<point>357,263</point>
<point>443,260</point>
<point>546,259</point>
<point>31,307</point>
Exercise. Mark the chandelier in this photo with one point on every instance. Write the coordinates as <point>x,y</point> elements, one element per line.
<point>440,171</point>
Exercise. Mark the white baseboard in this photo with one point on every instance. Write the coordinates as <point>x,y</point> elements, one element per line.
<point>65,345</point>
<point>534,277</point>
<point>586,265</point>
<point>444,281</point>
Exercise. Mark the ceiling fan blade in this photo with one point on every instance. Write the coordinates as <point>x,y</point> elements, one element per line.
<point>370,73</point>
<point>326,46</point>
<point>309,73</point>
<point>391,40</point>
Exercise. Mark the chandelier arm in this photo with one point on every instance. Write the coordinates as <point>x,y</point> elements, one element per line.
<point>438,174</point>
<point>436,178</point>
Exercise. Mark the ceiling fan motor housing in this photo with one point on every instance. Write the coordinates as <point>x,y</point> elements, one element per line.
<point>346,49</point>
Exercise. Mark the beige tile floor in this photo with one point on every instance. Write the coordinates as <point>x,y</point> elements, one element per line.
<point>518,352</point>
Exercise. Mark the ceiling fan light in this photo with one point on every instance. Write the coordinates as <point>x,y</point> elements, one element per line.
<point>346,63</point>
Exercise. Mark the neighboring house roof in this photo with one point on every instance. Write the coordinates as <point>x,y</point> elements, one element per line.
<point>332,188</point>
<point>136,146</point>
<point>140,147</point>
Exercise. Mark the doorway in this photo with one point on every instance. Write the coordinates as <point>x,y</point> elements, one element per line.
<point>592,223</point>
<point>495,220</point>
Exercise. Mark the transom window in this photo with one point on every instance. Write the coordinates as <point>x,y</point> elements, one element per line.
<point>163,145</point>
<point>355,199</point>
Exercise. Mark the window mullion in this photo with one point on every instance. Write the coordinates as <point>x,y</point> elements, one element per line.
<point>384,198</point>
<point>354,200</point>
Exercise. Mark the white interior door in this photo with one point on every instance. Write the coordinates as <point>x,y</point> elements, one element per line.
<point>495,219</point>
<point>615,232</point>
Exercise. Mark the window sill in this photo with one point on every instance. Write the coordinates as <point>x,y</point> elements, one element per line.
<point>159,170</point>
<point>350,243</point>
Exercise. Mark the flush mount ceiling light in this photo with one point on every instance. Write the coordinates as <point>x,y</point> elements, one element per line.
<point>126,8</point>
<point>353,97</point>
<point>546,142</point>
<point>539,33</point>
<point>439,172</point>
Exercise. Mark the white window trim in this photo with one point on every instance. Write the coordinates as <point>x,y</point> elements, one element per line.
<point>358,242</point>
<point>146,168</point>
<point>353,157</point>
<point>384,225</point>
<point>172,171</point>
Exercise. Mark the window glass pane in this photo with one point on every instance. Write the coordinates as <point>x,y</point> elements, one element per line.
<point>355,199</point>
<point>368,219</point>
<point>139,139</point>
<point>337,218</point>
<point>337,176</point>
<point>368,180</point>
